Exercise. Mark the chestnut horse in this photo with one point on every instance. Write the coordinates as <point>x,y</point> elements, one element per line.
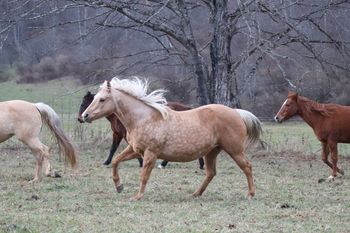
<point>119,131</point>
<point>156,131</point>
<point>330,123</point>
<point>25,120</point>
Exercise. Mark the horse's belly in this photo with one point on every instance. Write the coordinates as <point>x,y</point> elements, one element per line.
<point>180,157</point>
<point>187,145</point>
<point>185,152</point>
<point>6,130</point>
<point>4,137</point>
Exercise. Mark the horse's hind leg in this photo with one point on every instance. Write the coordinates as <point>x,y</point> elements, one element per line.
<point>325,153</point>
<point>334,157</point>
<point>210,170</point>
<point>246,167</point>
<point>41,154</point>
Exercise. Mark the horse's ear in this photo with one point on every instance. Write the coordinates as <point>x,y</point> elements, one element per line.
<point>293,95</point>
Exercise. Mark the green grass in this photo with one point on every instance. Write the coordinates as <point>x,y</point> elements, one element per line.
<point>289,197</point>
<point>63,95</point>
<point>295,136</point>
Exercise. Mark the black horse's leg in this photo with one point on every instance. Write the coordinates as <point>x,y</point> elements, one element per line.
<point>140,161</point>
<point>116,141</point>
<point>201,163</point>
<point>163,164</point>
<point>111,153</point>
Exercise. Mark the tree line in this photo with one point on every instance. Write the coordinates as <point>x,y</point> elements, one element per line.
<point>240,53</point>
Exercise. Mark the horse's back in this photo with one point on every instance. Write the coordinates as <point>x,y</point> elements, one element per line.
<point>222,114</point>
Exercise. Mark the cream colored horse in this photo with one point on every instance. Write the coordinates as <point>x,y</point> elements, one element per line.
<point>25,120</point>
<point>156,131</point>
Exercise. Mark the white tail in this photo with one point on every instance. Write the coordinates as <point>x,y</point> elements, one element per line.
<point>253,125</point>
<point>53,121</point>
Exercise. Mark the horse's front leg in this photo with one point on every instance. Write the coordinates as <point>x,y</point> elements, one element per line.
<point>127,154</point>
<point>149,160</point>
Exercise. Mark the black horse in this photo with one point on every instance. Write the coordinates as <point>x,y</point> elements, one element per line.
<point>119,131</point>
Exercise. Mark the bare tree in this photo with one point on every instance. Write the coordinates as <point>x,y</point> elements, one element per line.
<point>264,29</point>
<point>222,43</point>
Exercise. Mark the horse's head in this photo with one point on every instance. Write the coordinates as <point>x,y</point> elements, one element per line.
<point>288,109</point>
<point>87,99</point>
<point>101,105</point>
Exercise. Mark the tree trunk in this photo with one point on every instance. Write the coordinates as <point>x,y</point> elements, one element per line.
<point>220,81</point>
<point>198,63</point>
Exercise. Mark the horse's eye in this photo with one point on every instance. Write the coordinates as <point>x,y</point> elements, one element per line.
<point>102,100</point>
<point>287,105</point>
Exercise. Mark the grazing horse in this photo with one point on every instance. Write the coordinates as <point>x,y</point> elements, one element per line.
<point>119,131</point>
<point>25,120</point>
<point>156,131</point>
<point>330,123</point>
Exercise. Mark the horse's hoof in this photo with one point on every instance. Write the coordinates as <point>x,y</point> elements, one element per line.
<point>33,181</point>
<point>107,163</point>
<point>250,196</point>
<point>202,168</point>
<point>196,194</point>
<point>341,172</point>
<point>54,174</point>
<point>321,180</point>
<point>136,197</point>
<point>120,188</point>
<point>331,179</point>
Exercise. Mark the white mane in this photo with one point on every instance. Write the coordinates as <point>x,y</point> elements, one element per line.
<point>138,88</point>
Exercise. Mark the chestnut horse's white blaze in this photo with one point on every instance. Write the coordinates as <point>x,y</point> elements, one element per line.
<point>24,120</point>
<point>156,131</point>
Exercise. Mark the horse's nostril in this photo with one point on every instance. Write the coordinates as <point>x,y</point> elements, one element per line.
<point>276,118</point>
<point>86,116</point>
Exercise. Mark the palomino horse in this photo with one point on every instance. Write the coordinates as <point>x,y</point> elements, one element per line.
<point>25,120</point>
<point>156,131</point>
<point>119,131</point>
<point>330,123</point>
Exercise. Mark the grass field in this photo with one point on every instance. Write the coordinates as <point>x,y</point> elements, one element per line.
<point>289,196</point>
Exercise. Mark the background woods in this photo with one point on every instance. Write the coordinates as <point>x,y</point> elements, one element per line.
<point>239,53</point>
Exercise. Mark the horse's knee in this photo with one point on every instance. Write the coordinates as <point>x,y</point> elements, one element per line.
<point>248,167</point>
<point>115,162</point>
<point>211,173</point>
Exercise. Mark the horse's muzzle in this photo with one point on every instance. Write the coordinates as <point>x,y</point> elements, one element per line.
<point>277,119</point>
<point>86,118</point>
<point>80,119</point>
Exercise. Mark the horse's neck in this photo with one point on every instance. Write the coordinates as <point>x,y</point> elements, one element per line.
<point>131,111</point>
<point>310,117</point>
